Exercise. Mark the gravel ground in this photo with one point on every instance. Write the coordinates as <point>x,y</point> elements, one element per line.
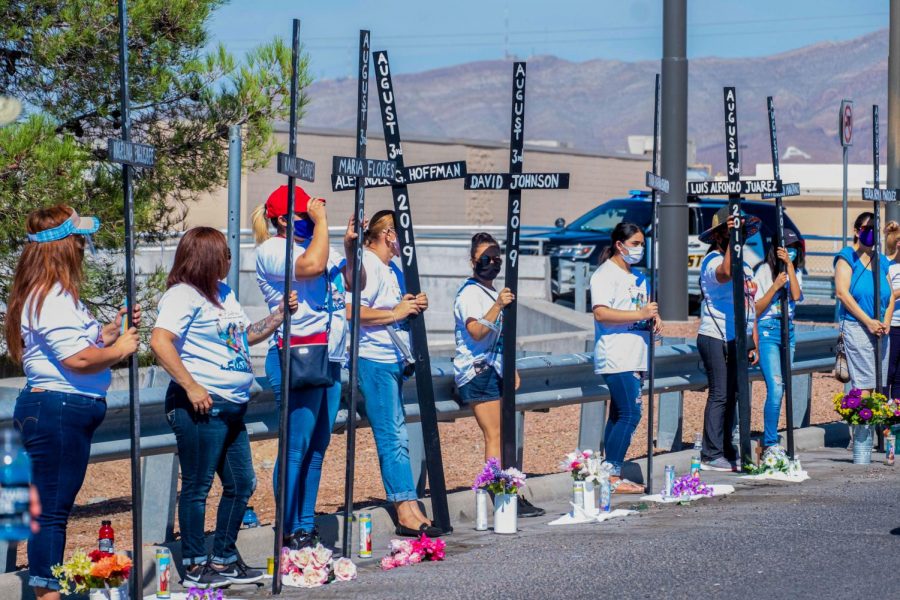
<point>106,490</point>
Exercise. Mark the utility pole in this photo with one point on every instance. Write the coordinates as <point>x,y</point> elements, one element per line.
<point>673,217</point>
<point>892,209</point>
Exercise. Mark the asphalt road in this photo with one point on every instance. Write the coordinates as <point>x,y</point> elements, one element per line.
<point>835,536</point>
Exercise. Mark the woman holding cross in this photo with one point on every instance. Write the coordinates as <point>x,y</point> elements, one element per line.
<point>716,338</point>
<point>66,355</point>
<point>854,287</point>
<point>321,279</point>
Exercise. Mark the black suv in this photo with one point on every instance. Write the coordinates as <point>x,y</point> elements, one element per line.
<point>585,238</point>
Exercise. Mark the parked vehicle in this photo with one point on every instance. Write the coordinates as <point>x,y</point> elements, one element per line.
<point>583,240</point>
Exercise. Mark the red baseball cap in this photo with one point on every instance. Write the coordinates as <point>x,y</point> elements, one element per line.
<point>276,205</point>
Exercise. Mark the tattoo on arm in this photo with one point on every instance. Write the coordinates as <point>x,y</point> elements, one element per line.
<point>266,325</point>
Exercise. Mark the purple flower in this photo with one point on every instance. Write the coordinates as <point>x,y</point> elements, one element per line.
<point>853,401</point>
<point>865,414</point>
<point>854,393</point>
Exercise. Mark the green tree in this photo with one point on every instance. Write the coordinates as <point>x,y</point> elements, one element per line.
<point>60,58</point>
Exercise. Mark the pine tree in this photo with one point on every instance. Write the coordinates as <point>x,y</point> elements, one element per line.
<point>60,59</point>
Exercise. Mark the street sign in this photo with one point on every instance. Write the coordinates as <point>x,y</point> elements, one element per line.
<point>845,123</point>
<point>657,183</point>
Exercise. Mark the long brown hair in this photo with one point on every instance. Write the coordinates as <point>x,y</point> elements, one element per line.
<point>42,265</point>
<point>201,260</point>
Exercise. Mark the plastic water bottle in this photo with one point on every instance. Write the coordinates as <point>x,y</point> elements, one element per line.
<point>250,519</point>
<point>15,488</point>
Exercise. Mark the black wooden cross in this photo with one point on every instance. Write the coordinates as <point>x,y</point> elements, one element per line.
<point>734,188</point>
<point>877,195</point>
<point>295,168</point>
<point>360,167</point>
<point>410,264</point>
<point>131,155</point>
<point>656,184</point>
<point>515,181</point>
<point>789,189</point>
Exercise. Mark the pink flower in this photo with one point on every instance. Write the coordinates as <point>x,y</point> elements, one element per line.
<point>404,546</point>
<point>314,577</point>
<point>293,579</point>
<point>301,558</point>
<point>387,563</point>
<point>344,569</point>
<point>415,558</point>
<point>321,556</point>
<point>438,555</point>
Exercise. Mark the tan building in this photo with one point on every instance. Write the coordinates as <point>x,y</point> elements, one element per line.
<point>594,179</point>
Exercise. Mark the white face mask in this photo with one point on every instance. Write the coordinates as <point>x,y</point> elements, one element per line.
<point>632,254</point>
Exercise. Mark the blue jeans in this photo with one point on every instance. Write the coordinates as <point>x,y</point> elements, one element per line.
<point>624,415</point>
<point>56,431</point>
<point>311,415</point>
<point>215,443</point>
<point>770,363</point>
<point>382,385</point>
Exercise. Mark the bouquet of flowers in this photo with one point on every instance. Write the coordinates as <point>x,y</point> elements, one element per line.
<point>585,465</point>
<point>892,408</point>
<point>84,572</point>
<point>687,486</point>
<point>314,566</point>
<point>774,463</point>
<point>497,481</point>
<point>871,409</point>
<point>411,552</point>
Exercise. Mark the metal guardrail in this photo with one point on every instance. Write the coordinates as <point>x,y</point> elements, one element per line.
<point>547,382</point>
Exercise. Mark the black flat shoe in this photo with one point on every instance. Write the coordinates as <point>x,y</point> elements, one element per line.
<point>429,530</point>
<point>526,509</point>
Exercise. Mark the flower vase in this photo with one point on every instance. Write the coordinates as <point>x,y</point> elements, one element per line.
<point>590,498</point>
<point>862,444</point>
<point>506,512</point>
<point>116,593</point>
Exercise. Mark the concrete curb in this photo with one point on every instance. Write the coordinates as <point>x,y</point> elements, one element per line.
<point>257,544</point>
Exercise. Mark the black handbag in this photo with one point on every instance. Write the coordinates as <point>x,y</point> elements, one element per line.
<point>311,363</point>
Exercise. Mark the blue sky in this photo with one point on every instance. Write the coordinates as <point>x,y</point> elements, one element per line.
<point>425,34</point>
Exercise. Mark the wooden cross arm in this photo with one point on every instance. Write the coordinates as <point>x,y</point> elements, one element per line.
<point>130,153</point>
<point>406,176</point>
<point>727,188</point>
<point>517,181</point>
<point>294,166</point>
<point>364,167</point>
<point>879,195</point>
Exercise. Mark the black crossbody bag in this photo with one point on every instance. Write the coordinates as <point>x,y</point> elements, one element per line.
<point>311,363</point>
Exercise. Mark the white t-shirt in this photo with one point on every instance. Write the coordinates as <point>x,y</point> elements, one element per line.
<point>763,280</point>
<point>312,316</point>
<point>384,290</point>
<point>473,300</point>
<point>717,306</point>
<point>894,276</point>
<point>212,340</point>
<point>619,347</point>
<point>62,329</point>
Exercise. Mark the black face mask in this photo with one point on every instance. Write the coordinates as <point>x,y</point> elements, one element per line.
<point>487,266</point>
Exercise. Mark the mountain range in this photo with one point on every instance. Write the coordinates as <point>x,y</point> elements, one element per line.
<point>595,105</point>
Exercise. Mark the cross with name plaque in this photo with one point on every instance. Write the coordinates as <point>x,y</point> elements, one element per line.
<point>876,196</point>
<point>656,184</point>
<point>515,181</point>
<point>734,188</point>
<point>295,168</point>
<point>131,155</point>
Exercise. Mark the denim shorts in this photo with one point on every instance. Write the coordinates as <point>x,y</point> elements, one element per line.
<point>487,385</point>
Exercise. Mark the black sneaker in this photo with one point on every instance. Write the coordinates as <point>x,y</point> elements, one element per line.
<point>303,539</point>
<point>205,577</point>
<point>527,509</point>
<point>239,572</point>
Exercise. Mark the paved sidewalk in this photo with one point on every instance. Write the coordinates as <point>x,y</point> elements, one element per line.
<point>835,536</point>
